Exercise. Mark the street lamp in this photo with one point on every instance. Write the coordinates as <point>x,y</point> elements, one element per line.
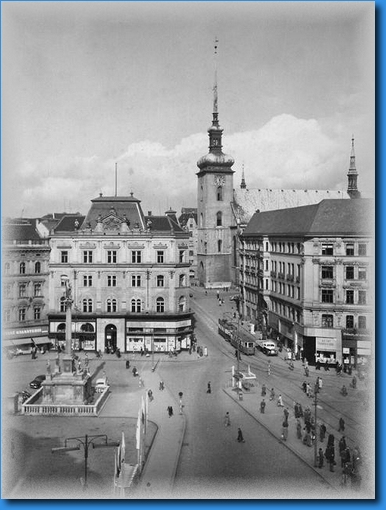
<point>316,390</point>
<point>86,443</point>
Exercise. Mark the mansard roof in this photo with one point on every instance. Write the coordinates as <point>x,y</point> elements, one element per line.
<point>125,208</point>
<point>248,201</point>
<point>328,218</point>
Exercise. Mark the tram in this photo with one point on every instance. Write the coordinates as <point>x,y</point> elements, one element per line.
<point>238,338</point>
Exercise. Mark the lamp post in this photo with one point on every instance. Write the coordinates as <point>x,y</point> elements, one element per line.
<point>316,391</point>
<point>86,443</point>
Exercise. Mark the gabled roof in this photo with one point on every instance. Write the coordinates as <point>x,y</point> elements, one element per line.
<point>69,223</point>
<point>163,223</point>
<point>248,201</point>
<point>329,217</point>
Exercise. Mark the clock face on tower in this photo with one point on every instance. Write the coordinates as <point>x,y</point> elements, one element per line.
<point>219,180</point>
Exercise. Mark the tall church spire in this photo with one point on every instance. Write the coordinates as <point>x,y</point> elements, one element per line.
<point>352,186</point>
<point>215,157</point>
<point>243,185</point>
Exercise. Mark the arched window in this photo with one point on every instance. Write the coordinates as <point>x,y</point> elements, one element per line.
<point>87,328</point>
<point>136,305</point>
<point>160,281</point>
<point>219,246</point>
<point>37,267</point>
<point>111,305</point>
<point>219,194</point>
<point>87,305</point>
<point>61,327</point>
<point>22,267</point>
<point>182,304</point>
<point>182,280</point>
<point>219,218</point>
<point>62,305</point>
<point>160,304</point>
<point>7,268</point>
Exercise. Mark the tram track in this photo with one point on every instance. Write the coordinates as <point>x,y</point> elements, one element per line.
<point>329,413</point>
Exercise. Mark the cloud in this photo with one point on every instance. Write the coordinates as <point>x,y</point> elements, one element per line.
<point>287,152</point>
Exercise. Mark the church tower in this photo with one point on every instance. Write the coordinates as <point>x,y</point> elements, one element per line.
<point>352,187</point>
<point>214,197</point>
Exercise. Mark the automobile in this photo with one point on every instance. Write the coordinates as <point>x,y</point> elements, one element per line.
<point>24,395</point>
<point>37,382</point>
<point>101,385</point>
<point>236,297</point>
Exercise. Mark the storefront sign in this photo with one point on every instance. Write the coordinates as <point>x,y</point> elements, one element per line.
<point>325,344</point>
<point>25,332</point>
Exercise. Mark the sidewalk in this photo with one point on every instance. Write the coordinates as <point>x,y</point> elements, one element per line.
<point>158,475</point>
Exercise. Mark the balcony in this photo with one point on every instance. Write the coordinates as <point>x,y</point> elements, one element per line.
<point>273,274</point>
<point>280,276</point>
<point>290,277</point>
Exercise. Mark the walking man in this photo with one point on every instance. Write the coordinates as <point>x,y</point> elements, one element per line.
<point>272,396</point>
<point>341,425</point>
<point>209,390</point>
<point>240,437</point>
<point>262,406</point>
<point>170,411</point>
<point>280,401</point>
<point>263,390</point>
<point>227,420</point>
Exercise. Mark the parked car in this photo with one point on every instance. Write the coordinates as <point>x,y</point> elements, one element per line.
<point>37,382</point>
<point>25,395</point>
<point>101,384</point>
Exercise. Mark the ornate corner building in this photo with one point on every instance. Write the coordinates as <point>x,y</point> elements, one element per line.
<point>129,275</point>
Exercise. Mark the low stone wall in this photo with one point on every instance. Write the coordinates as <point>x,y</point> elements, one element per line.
<point>31,408</point>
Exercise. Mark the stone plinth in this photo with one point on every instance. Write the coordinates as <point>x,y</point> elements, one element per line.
<point>67,388</point>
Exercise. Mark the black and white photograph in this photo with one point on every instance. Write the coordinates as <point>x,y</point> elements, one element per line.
<point>188,245</point>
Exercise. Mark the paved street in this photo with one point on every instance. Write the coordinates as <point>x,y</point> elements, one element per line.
<point>193,455</point>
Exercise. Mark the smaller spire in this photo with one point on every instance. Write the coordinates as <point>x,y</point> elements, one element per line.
<point>352,185</point>
<point>243,185</point>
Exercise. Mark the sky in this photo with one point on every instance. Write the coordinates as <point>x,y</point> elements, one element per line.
<point>86,86</point>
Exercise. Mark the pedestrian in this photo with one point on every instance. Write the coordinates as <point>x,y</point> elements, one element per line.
<point>307,438</point>
<point>150,395</point>
<point>320,458</point>
<point>304,386</point>
<point>284,430</point>
<point>127,363</point>
<point>296,410</point>
<point>272,396</point>
<point>344,391</point>
<point>308,389</point>
<point>341,425</point>
<point>240,437</point>
<point>354,382</point>
<point>320,383</point>
<point>322,432</point>
<point>140,382</point>
<point>209,390</point>
<point>298,430</point>
<point>280,401</point>
<point>170,411</point>
<point>263,390</point>
<point>161,386</point>
<point>342,449</point>
<point>262,406</point>
<point>181,406</point>
<point>227,420</point>
<point>286,413</point>
<point>317,366</point>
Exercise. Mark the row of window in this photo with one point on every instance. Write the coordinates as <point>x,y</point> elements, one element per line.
<point>328,272</point>
<point>22,314</point>
<point>328,321</point>
<point>284,247</point>
<point>37,266</point>
<point>286,311</point>
<point>284,289</point>
<point>328,296</point>
<point>136,305</point>
<point>351,249</point>
<point>277,266</point>
<point>112,256</point>
<point>136,280</point>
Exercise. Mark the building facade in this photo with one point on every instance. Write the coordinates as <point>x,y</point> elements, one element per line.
<point>129,276</point>
<point>188,221</point>
<point>307,278</point>
<point>25,284</point>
